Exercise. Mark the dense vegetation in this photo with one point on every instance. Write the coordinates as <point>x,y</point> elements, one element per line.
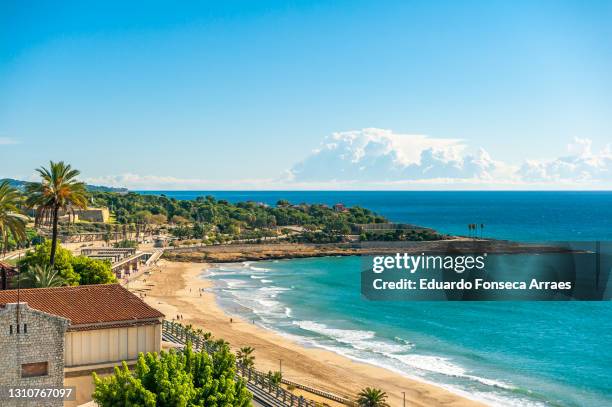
<point>73,270</point>
<point>402,235</point>
<point>196,219</point>
<point>175,378</point>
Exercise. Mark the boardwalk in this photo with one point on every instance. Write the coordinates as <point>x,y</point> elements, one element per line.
<point>265,393</point>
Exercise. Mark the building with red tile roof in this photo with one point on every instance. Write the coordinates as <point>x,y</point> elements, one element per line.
<point>88,306</point>
<point>106,324</point>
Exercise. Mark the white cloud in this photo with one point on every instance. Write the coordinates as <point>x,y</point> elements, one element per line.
<point>384,156</point>
<point>380,157</point>
<point>580,165</point>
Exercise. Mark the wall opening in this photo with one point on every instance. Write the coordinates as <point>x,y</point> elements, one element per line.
<point>35,369</point>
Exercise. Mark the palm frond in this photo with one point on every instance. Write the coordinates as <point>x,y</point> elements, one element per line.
<point>12,222</point>
<point>41,276</point>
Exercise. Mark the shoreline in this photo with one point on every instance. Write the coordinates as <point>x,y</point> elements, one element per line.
<point>174,288</point>
<point>236,253</point>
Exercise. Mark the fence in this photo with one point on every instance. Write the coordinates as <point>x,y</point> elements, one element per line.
<point>260,384</point>
<point>327,395</point>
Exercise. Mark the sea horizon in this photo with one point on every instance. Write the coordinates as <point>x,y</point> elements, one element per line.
<point>513,215</point>
<point>463,347</point>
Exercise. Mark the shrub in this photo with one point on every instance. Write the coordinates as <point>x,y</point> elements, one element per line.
<point>175,378</point>
<point>73,270</point>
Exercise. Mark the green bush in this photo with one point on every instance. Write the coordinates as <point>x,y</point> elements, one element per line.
<point>74,270</point>
<point>175,378</point>
<point>40,256</point>
<point>93,271</point>
<point>126,244</point>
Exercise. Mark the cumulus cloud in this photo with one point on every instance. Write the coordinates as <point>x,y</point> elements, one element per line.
<point>381,155</point>
<point>381,159</point>
<point>580,165</point>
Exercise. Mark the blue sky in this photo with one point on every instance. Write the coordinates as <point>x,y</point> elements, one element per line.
<point>239,94</point>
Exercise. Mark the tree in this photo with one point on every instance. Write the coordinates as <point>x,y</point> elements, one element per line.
<point>275,377</point>
<point>40,276</point>
<point>123,389</point>
<point>158,219</point>
<point>41,255</point>
<point>92,271</point>
<point>245,356</point>
<point>12,223</point>
<point>180,220</point>
<point>74,270</point>
<point>143,219</point>
<point>175,378</point>
<point>58,191</point>
<point>370,397</point>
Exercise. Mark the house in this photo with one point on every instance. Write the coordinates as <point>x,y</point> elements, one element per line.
<point>339,207</point>
<point>106,324</point>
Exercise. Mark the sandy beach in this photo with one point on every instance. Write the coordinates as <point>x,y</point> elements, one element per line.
<point>173,288</point>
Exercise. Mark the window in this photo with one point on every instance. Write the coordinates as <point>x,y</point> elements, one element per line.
<point>35,369</point>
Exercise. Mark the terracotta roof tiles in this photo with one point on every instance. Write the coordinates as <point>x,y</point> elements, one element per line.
<point>86,304</point>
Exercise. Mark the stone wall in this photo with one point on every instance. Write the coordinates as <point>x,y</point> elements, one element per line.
<point>40,339</point>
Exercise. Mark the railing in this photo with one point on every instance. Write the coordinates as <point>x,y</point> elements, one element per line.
<point>327,395</point>
<point>155,255</point>
<point>260,384</point>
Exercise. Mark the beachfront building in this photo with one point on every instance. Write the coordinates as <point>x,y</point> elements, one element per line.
<point>106,324</point>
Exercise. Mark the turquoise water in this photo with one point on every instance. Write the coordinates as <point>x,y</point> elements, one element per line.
<point>519,215</point>
<point>520,353</point>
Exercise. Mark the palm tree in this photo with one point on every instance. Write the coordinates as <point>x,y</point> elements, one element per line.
<point>41,276</point>
<point>58,191</point>
<point>370,397</point>
<point>245,356</point>
<point>205,335</point>
<point>481,228</point>
<point>12,223</point>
